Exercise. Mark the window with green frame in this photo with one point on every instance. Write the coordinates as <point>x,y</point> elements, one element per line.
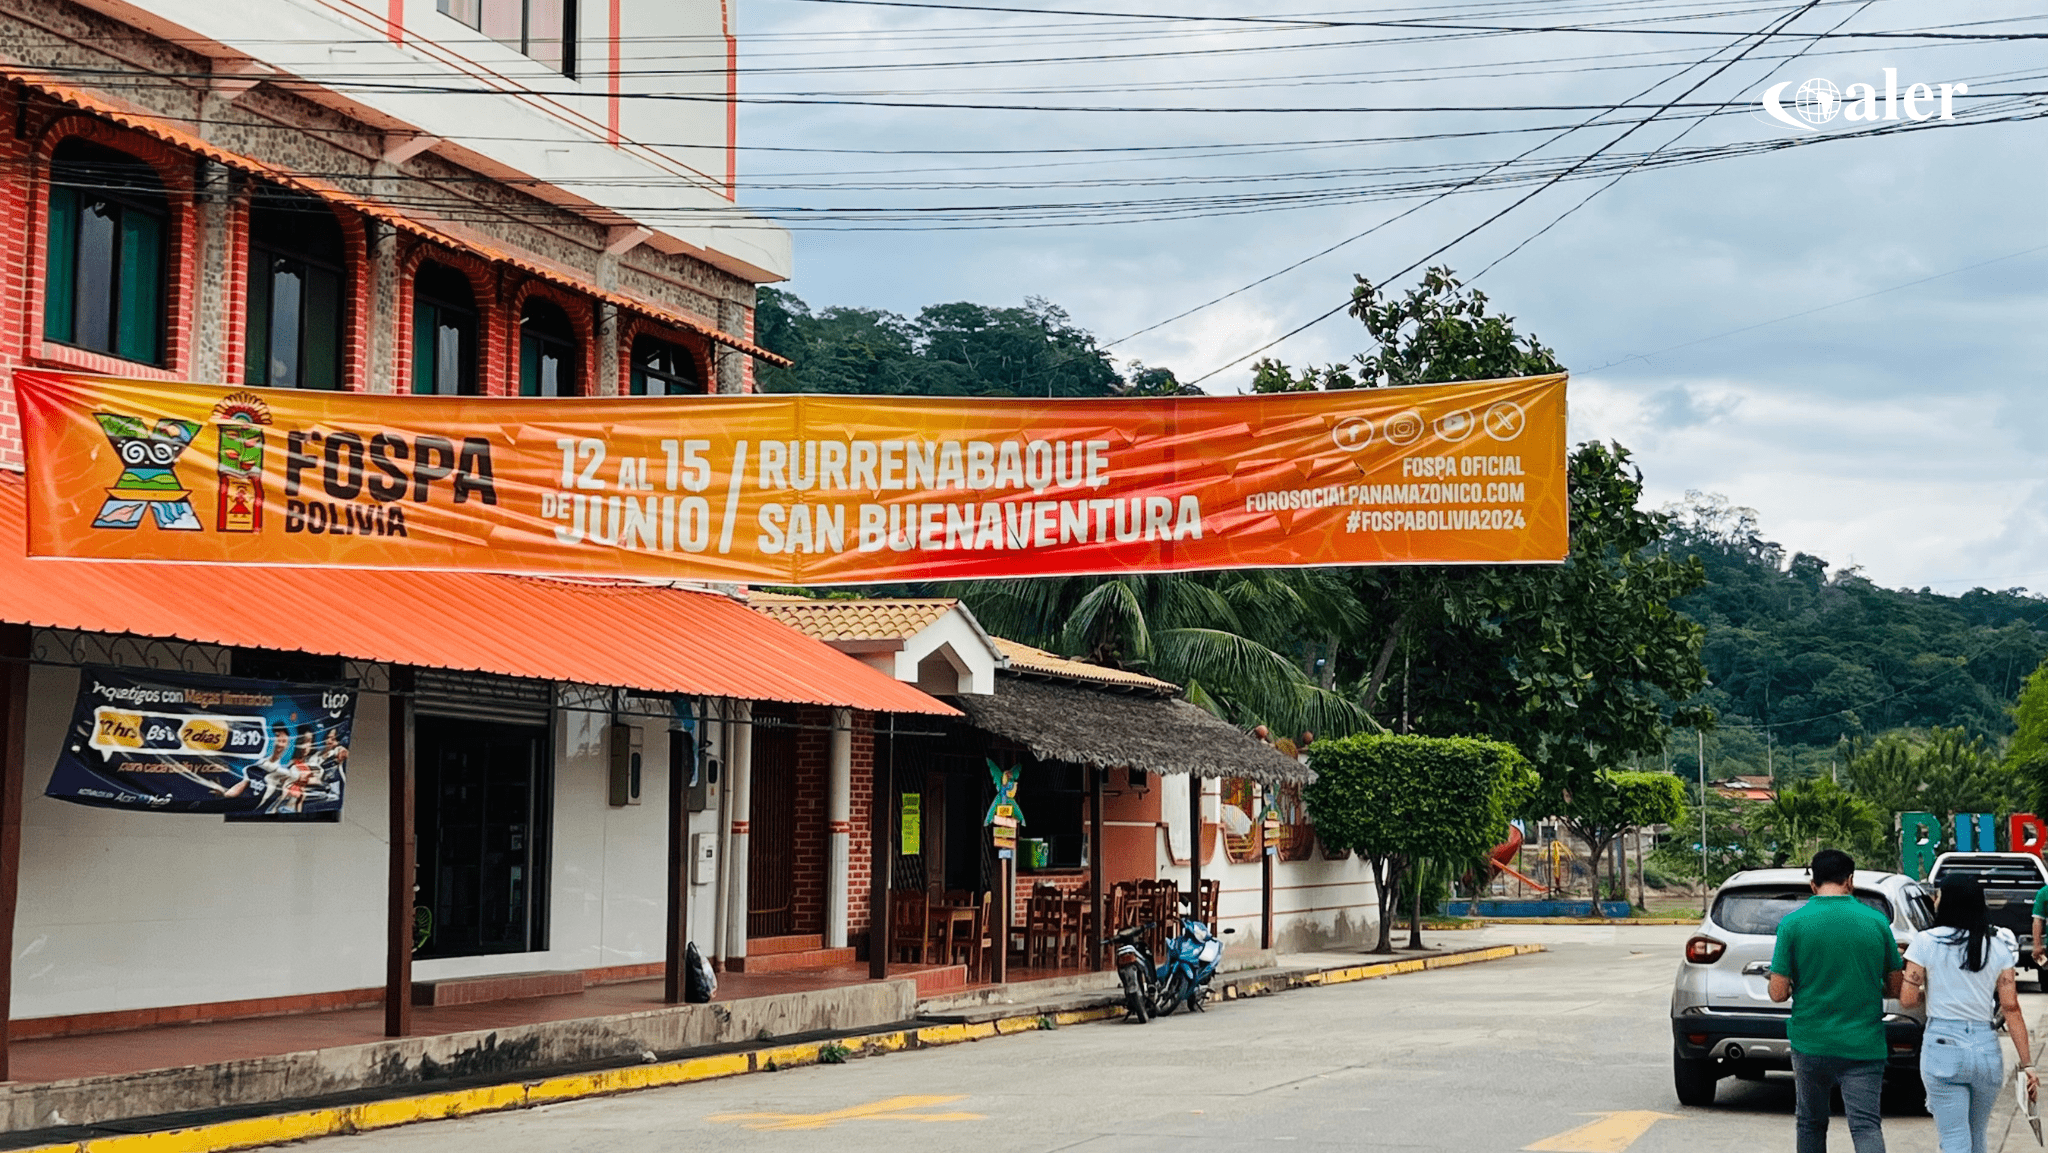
<point>295,293</point>
<point>104,284</point>
<point>663,369</point>
<point>444,333</point>
<point>547,351</point>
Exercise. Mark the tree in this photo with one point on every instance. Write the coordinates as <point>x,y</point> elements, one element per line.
<point>1398,800</point>
<point>1436,333</point>
<point>1218,635</point>
<point>1734,841</point>
<point>1941,771</point>
<point>1824,657</point>
<point>1809,816</point>
<point>1577,665</point>
<point>2026,758</point>
<point>1601,807</point>
<point>956,349</point>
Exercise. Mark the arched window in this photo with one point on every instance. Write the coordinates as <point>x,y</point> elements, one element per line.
<point>547,350</point>
<point>443,333</point>
<point>663,369</point>
<point>295,292</point>
<point>105,281</point>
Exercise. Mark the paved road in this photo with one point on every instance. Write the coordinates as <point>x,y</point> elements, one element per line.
<point>1499,1056</point>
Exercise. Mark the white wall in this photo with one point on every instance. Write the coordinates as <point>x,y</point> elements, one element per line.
<point>122,910</point>
<point>551,127</point>
<point>960,644</point>
<point>1317,904</point>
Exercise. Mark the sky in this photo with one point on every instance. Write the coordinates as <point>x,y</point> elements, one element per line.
<point>1843,328</point>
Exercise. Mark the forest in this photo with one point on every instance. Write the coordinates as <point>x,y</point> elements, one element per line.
<point>1803,664</point>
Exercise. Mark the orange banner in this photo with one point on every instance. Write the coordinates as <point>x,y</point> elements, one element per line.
<point>794,490</point>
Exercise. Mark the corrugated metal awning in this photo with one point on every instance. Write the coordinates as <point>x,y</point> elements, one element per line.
<point>649,638</point>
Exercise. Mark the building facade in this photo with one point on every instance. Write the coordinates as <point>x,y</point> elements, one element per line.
<point>467,197</point>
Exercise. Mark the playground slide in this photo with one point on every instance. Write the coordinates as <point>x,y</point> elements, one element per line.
<point>1505,852</point>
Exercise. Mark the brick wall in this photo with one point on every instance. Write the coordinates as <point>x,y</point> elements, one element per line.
<point>807,855</point>
<point>208,243</point>
<point>861,853</point>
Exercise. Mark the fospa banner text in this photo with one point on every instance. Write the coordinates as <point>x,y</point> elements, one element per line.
<point>794,490</point>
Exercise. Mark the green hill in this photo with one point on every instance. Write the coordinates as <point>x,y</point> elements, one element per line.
<point>1815,658</point>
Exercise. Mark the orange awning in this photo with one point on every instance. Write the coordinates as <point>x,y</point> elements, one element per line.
<point>649,638</point>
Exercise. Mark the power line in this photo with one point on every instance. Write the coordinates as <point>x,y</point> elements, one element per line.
<point>1611,26</point>
<point>1588,199</point>
<point>1355,237</point>
<point>1760,41</point>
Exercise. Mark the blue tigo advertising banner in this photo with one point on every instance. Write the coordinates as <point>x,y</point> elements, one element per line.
<point>186,743</point>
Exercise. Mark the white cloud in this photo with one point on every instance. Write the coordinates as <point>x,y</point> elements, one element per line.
<point>1917,491</point>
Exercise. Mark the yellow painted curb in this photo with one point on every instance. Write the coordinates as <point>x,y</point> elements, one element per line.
<point>255,1132</point>
<point>1417,965</point>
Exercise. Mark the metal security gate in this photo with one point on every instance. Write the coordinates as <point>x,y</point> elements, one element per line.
<point>771,827</point>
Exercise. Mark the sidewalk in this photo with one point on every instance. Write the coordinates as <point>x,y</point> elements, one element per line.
<point>977,1015</point>
<point>2008,1133</point>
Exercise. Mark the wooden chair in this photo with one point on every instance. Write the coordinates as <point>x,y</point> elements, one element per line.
<point>1071,947</point>
<point>909,924</point>
<point>1124,910</point>
<point>1170,910</point>
<point>1034,920</point>
<point>980,946</point>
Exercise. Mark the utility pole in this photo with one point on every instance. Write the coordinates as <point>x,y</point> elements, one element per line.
<point>1704,888</point>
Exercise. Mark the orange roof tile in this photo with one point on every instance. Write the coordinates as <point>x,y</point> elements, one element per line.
<point>885,619</point>
<point>1025,659</point>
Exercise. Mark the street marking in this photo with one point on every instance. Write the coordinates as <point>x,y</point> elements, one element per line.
<point>1612,1133</point>
<point>890,1109</point>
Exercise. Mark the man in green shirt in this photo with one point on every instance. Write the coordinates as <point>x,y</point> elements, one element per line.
<point>1840,957</point>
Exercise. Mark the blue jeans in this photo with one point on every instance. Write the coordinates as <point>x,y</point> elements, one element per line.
<point>1963,1069</point>
<point>1862,1085</point>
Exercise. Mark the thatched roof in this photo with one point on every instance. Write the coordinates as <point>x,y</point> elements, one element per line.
<point>1088,726</point>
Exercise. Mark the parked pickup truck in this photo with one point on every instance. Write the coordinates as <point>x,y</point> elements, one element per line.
<point>2010,881</point>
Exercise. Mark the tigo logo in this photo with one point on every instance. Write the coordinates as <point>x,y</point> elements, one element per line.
<point>1818,102</point>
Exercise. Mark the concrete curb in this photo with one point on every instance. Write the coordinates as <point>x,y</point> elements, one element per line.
<point>255,1132</point>
<point>1497,922</point>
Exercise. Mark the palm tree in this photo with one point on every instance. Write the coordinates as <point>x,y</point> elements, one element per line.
<point>1224,636</point>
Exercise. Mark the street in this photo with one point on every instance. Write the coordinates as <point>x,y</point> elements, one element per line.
<point>1524,1053</point>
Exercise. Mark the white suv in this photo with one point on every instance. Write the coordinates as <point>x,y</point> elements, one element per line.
<point>1723,1021</point>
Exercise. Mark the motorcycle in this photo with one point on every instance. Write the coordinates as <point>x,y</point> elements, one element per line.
<point>1134,968</point>
<point>1191,960</point>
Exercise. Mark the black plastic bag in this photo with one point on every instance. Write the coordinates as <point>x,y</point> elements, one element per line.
<point>699,982</point>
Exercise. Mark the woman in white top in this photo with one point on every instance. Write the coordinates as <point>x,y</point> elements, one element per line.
<point>1962,970</point>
